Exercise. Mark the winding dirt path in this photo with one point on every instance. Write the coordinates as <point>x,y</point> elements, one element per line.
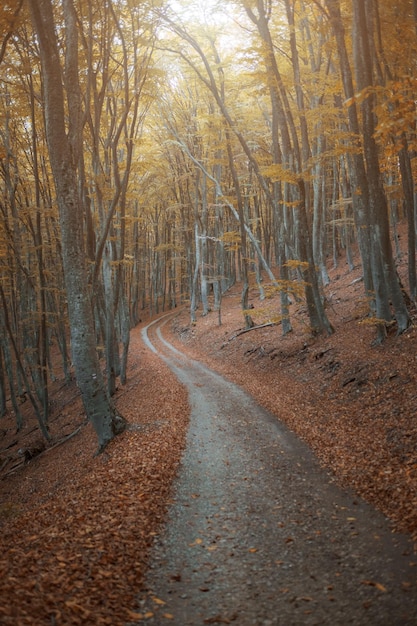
<point>258,534</point>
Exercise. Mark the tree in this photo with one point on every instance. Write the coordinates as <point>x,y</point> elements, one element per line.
<point>10,17</point>
<point>294,156</point>
<point>369,197</point>
<point>257,155</point>
<point>64,145</point>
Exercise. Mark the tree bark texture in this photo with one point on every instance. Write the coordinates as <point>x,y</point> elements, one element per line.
<point>63,153</point>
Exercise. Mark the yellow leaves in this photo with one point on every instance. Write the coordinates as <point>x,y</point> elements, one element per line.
<point>296,263</point>
<point>288,286</point>
<point>231,239</point>
<point>372,583</point>
<point>279,173</point>
<point>199,542</point>
<point>141,616</point>
<point>133,615</point>
<point>196,542</point>
<point>396,115</point>
<point>376,321</point>
<point>167,247</point>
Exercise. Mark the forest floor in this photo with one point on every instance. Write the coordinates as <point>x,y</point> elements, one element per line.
<point>75,529</point>
<point>353,401</point>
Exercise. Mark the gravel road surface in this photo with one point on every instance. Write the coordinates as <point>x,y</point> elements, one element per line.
<point>258,534</point>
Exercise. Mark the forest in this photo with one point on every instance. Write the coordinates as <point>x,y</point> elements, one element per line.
<point>153,154</point>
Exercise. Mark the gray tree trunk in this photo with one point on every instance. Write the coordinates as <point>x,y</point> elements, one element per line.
<point>386,284</point>
<point>64,149</point>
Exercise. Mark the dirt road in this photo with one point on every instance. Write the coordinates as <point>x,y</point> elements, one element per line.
<point>258,534</point>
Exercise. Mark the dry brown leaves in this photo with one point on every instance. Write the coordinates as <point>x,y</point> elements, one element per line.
<point>74,552</point>
<point>353,402</point>
<point>75,529</point>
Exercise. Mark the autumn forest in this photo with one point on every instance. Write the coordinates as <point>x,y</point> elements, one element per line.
<point>153,154</point>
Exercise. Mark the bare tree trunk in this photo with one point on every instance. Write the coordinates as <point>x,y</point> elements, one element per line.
<point>204,247</point>
<point>386,282</point>
<point>408,191</point>
<point>356,164</point>
<point>197,258</point>
<point>2,386</point>
<point>64,155</point>
<point>243,239</point>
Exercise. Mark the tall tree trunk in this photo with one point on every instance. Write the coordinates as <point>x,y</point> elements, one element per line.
<point>243,239</point>
<point>197,259</point>
<point>64,154</point>
<point>293,159</point>
<point>204,247</point>
<point>386,282</point>
<point>356,164</point>
<point>409,204</point>
<point>2,386</point>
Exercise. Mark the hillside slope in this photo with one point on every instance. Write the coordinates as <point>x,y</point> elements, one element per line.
<point>354,402</point>
<point>76,529</point>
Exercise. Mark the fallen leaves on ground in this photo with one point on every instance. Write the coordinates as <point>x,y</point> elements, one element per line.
<point>352,401</point>
<point>77,550</point>
<point>372,583</point>
<point>76,529</point>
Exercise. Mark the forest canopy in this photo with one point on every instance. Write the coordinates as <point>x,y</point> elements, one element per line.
<point>153,154</point>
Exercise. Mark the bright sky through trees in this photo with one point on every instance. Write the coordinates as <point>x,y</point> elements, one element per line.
<point>212,16</point>
<point>200,11</point>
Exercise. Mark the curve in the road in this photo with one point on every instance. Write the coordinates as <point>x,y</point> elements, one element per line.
<point>259,534</point>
